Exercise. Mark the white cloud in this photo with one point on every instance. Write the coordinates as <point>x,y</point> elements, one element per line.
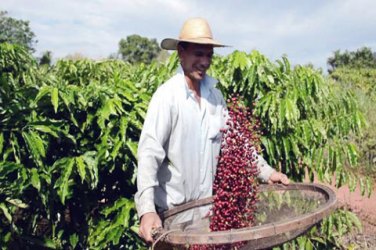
<point>307,31</point>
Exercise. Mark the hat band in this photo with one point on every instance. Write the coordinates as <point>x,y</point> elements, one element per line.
<point>200,37</point>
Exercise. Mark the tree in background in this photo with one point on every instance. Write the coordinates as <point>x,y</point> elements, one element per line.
<point>163,56</point>
<point>356,70</point>
<point>16,31</point>
<point>138,49</point>
<point>361,58</point>
<point>76,56</point>
<point>46,58</point>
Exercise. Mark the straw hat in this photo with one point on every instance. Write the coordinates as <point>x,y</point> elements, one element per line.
<point>194,30</point>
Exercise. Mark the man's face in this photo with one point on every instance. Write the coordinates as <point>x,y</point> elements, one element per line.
<point>195,59</point>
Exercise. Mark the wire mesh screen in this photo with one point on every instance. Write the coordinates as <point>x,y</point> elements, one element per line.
<point>283,213</point>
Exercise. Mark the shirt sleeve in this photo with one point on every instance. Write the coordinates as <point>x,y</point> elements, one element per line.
<point>151,152</point>
<point>265,170</point>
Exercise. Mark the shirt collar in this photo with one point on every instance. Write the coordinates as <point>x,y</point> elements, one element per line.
<point>207,84</point>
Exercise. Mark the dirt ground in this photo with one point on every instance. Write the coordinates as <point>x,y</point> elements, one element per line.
<point>365,208</point>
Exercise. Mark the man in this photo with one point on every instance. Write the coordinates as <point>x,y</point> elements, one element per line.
<point>181,138</point>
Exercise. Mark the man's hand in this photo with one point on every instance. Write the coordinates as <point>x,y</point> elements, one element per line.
<point>148,222</point>
<point>278,177</point>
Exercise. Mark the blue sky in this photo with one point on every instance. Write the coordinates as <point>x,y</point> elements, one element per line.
<point>306,31</point>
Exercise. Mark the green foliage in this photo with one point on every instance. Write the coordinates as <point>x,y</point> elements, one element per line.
<point>304,119</point>
<point>16,31</point>
<point>138,49</point>
<point>363,82</point>
<point>358,72</point>
<point>363,79</point>
<point>69,133</point>
<point>68,150</point>
<point>361,58</point>
<point>330,233</point>
<point>46,58</point>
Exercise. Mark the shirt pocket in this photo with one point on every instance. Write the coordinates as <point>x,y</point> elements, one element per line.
<point>215,126</point>
<point>216,121</point>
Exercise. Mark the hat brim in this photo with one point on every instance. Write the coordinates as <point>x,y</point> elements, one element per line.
<point>171,43</point>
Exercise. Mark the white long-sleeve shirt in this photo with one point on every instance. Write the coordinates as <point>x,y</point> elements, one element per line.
<point>179,145</point>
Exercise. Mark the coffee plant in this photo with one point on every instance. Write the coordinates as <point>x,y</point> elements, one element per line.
<point>363,82</point>
<point>305,121</point>
<point>69,133</point>
<point>68,152</point>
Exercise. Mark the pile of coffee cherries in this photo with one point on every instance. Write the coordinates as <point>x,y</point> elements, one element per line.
<point>235,186</point>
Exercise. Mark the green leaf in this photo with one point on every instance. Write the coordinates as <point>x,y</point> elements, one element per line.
<point>282,114</point>
<point>116,148</point>
<point>114,235</point>
<point>352,182</point>
<point>295,148</point>
<point>286,147</point>
<point>354,220</point>
<point>241,60</point>
<point>15,147</point>
<point>48,243</point>
<point>119,214</point>
<point>123,128</point>
<point>105,112</point>
<point>369,186</point>
<point>17,202</point>
<point>91,162</point>
<point>35,181</point>
<point>308,245</point>
<point>330,226</point>
<point>293,110</point>
<point>63,182</point>
<point>46,129</point>
<point>67,96</point>
<point>1,142</point>
<point>7,168</point>
<point>270,78</point>
<point>135,229</point>
<point>6,213</point>
<point>55,98</point>
<point>116,206</point>
<point>319,128</point>
<point>307,131</point>
<point>73,240</point>
<point>302,242</point>
<point>362,186</point>
<point>318,239</point>
<point>81,168</point>
<point>264,104</point>
<point>42,92</point>
<point>352,154</point>
<point>132,146</point>
<point>35,145</point>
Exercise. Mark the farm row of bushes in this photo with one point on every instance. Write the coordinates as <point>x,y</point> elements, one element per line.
<point>69,133</point>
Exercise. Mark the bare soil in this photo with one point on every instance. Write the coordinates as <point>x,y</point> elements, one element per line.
<point>365,208</point>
